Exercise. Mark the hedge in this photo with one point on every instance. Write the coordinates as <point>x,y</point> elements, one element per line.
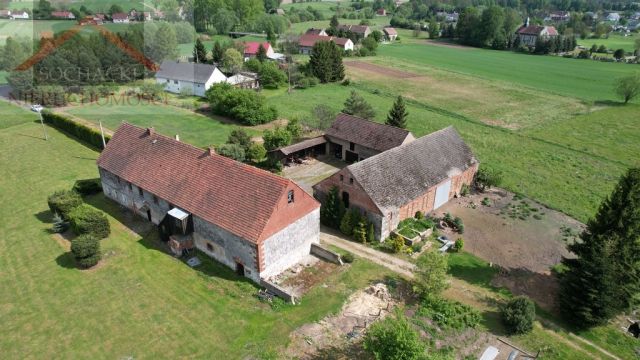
<point>75,129</point>
<point>86,250</point>
<point>85,219</point>
<point>88,186</point>
<point>62,202</point>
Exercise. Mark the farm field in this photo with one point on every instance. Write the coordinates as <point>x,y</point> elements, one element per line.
<point>614,41</point>
<point>139,302</point>
<point>585,80</point>
<point>193,128</point>
<point>94,5</point>
<point>299,28</point>
<point>32,29</point>
<point>187,49</point>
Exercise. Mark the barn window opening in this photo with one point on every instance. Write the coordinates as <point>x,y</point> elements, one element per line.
<point>209,247</point>
<point>290,197</point>
<point>155,199</point>
<point>341,178</point>
<point>345,199</point>
<point>140,191</point>
<point>350,180</point>
<point>352,146</point>
<point>129,185</point>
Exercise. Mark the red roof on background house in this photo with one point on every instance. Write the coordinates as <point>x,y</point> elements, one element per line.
<point>61,14</point>
<point>251,48</point>
<point>390,31</point>
<point>308,40</point>
<point>119,16</point>
<point>381,11</point>
<point>357,29</point>
<point>244,200</point>
<point>537,29</point>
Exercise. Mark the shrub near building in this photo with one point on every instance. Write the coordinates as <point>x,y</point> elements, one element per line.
<point>62,202</point>
<point>86,250</point>
<point>85,219</point>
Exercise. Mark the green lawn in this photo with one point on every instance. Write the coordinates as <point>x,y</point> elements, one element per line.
<point>32,29</point>
<point>377,23</point>
<point>94,5</point>
<point>613,42</point>
<point>139,302</point>
<point>11,115</point>
<point>582,79</point>
<point>187,49</point>
<point>193,128</point>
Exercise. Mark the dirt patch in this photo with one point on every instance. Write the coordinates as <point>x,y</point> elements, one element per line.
<point>305,275</point>
<point>381,70</point>
<point>341,331</point>
<point>447,44</point>
<point>64,239</point>
<point>512,232</point>
<point>541,288</point>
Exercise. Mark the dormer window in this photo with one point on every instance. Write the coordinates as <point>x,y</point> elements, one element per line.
<point>290,196</point>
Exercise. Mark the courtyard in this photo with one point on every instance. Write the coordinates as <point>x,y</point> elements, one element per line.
<point>313,170</point>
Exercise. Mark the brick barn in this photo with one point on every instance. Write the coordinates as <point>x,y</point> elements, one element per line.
<point>421,175</point>
<point>253,221</point>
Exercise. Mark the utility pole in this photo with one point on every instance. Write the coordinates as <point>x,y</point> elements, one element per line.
<point>44,128</point>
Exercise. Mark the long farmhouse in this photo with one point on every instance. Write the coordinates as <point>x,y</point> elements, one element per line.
<point>253,221</point>
<point>420,175</point>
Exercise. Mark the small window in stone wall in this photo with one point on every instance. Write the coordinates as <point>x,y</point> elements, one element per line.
<point>155,199</point>
<point>341,178</point>
<point>352,146</point>
<point>209,247</point>
<point>129,185</point>
<point>351,181</point>
<point>140,191</point>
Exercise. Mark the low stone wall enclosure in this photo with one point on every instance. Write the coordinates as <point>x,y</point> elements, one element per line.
<point>278,291</point>
<point>326,254</point>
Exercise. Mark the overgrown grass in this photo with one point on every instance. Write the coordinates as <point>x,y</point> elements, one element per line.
<point>140,302</point>
<point>193,128</point>
<point>613,41</point>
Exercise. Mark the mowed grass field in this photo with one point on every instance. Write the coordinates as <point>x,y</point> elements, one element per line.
<point>193,128</point>
<point>614,42</point>
<point>33,28</point>
<point>94,5</point>
<point>139,302</point>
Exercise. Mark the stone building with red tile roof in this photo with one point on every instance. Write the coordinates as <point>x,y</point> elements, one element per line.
<point>251,220</point>
<point>307,41</point>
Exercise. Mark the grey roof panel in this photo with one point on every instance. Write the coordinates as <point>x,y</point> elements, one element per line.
<point>197,73</point>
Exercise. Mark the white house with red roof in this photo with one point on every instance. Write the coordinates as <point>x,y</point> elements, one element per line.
<point>307,41</point>
<point>20,15</point>
<point>120,18</point>
<point>63,15</point>
<point>529,34</point>
<point>251,220</point>
<point>251,49</point>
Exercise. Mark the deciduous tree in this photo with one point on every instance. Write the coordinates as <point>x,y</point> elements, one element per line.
<point>628,87</point>
<point>431,274</point>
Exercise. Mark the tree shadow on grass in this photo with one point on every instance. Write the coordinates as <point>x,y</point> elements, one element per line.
<point>611,103</point>
<point>44,216</point>
<point>67,261</point>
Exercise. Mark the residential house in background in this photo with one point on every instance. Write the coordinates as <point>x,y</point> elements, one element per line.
<point>188,77</point>
<point>613,17</point>
<point>133,15</point>
<point>314,31</point>
<point>560,16</point>
<point>19,15</point>
<point>307,41</point>
<point>421,175</point>
<point>390,33</point>
<point>146,16</point>
<point>360,31</point>
<point>251,220</point>
<point>381,12</point>
<point>448,16</point>
<point>251,49</point>
<point>68,15</point>
<point>120,18</point>
<point>5,14</point>
<point>529,34</point>
<point>244,80</point>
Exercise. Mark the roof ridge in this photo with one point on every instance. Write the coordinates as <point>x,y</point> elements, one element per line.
<point>237,163</point>
<point>374,122</point>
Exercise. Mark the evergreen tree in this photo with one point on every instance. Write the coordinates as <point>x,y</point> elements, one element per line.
<point>398,114</point>
<point>332,209</point>
<point>217,53</point>
<point>325,62</point>
<point>261,55</point>
<point>333,25</point>
<point>199,52</point>
<point>271,36</point>
<point>356,105</point>
<point>371,235</point>
<point>604,278</point>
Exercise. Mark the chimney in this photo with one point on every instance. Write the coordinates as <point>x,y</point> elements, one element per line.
<point>150,131</point>
<point>177,137</point>
<point>526,22</point>
<point>211,151</point>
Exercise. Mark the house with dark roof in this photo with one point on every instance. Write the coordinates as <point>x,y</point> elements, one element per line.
<point>307,41</point>
<point>188,77</point>
<point>421,175</point>
<point>529,34</point>
<point>352,138</point>
<point>360,31</point>
<point>251,220</point>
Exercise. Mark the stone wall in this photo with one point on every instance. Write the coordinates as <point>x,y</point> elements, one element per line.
<point>326,254</point>
<point>290,245</point>
<point>226,247</point>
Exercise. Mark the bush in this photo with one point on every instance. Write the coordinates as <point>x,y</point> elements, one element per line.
<point>464,190</point>
<point>62,202</point>
<point>397,243</point>
<point>85,219</point>
<point>518,315</point>
<point>79,131</point>
<point>346,82</point>
<point>88,186</point>
<point>449,314</point>
<point>244,105</point>
<point>487,178</point>
<point>458,245</point>
<point>86,250</point>
<point>59,225</point>
<point>419,215</point>
<point>347,258</point>
<point>233,151</point>
<point>394,338</point>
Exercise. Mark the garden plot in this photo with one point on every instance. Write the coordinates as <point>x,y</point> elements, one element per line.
<point>512,232</point>
<point>308,273</point>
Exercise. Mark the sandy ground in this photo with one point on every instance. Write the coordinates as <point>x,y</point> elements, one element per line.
<point>382,70</point>
<point>313,171</point>
<point>305,275</point>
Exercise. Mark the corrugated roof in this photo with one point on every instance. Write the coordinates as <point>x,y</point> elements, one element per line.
<point>244,200</point>
<point>286,150</point>
<point>395,177</point>
<point>367,133</point>
<point>197,73</point>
